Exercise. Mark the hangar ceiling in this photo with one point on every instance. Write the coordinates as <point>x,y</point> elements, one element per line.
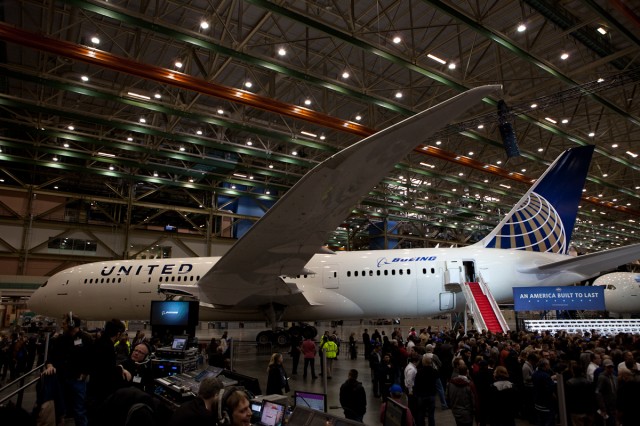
<point>94,106</point>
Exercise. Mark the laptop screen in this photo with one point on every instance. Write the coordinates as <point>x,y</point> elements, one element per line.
<point>272,414</point>
<point>179,343</point>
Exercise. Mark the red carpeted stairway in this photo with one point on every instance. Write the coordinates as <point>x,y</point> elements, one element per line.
<point>489,316</point>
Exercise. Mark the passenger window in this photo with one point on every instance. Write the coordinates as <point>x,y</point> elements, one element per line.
<point>370,272</point>
<point>393,272</point>
<point>386,272</point>
<point>378,272</point>
<point>408,271</point>
<point>348,273</point>
<point>433,271</point>
<point>400,271</point>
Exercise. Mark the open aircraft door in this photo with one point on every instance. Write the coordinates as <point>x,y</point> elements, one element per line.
<point>330,276</point>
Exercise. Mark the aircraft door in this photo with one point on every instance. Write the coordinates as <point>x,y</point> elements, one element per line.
<point>454,273</point>
<point>330,276</point>
<point>142,291</point>
<point>447,301</point>
<point>430,283</point>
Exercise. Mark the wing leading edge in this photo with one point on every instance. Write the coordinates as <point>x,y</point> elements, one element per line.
<point>295,228</point>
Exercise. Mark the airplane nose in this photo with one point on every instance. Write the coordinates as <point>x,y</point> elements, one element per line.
<point>36,302</point>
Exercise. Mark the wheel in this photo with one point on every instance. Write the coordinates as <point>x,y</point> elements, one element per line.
<point>264,337</point>
<point>282,338</point>
<point>309,332</point>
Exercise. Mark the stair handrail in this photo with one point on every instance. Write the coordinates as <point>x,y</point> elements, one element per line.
<point>474,309</point>
<point>493,303</point>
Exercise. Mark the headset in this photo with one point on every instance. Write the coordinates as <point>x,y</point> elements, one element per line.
<point>72,322</point>
<point>225,414</point>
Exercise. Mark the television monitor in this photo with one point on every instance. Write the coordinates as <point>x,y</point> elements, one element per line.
<point>315,401</point>
<point>394,414</point>
<point>174,313</point>
<point>272,413</point>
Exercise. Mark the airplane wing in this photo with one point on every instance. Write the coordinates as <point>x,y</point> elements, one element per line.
<point>295,228</point>
<point>590,265</point>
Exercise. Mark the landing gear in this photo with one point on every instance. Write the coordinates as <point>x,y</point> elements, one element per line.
<point>282,337</point>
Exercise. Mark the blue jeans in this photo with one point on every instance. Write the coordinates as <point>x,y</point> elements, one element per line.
<point>75,392</point>
<point>440,390</point>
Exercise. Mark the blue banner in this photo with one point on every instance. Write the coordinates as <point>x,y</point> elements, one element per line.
<point>589,298</point>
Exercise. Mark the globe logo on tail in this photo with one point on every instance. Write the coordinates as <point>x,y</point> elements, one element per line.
<point>535,225</point>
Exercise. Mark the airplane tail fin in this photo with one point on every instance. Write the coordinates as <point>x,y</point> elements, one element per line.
<point>544,217</point>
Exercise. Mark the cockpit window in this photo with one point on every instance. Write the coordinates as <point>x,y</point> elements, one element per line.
<point>611,287</point>
<point>45,283</point>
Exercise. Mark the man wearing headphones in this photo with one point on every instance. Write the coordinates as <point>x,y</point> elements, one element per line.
<point>234,408</point>
<point>138,364</point>
<point>69,359</point>
<point>203,410</point>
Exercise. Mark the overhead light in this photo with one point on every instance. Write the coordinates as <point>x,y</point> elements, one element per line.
<point>199,132</point>
<point>564,56</point>
<point>282,51</point>
<point>345,74</point>
<point>142,120</point>
<point>157,96</point>
<point>95,40</point>
<point>438,142</point>
<point>633,154</point>
<point>267,192</point>
<point>66,145</point>
<point>191,180</point>
<point>397,39</point>
<point>551,120</point>
<point>248,84</point>
<point>600,80</point>
<point>55,158</point>
<point>565,120</point>
<point>428,165</point>
<point>505,186</point>
<point>602,30</point>
<point>470,153</point>
<point>106,154</point>
<point>249,142</point>
<point>155,174</point>
<point>294,152</point>
<point>522,28</point>
<point>322,137</point>
<point>398,95</point>
<point>592,134</point>
<point>480,126</point>
<point>70,127</point>
<point>129,139</point>
<point>615,145</point>
<point>452,66</point>
<point>435,58</point>
<point>84,78</point>
<point>204,25</point>
<point>178,64</point>
<point>304,132</point>
<point>358,117</point>
<point>307,101</point>
<point>271,166</point>
<point>182,149</point>
<point>220,111</point>
<point>240,175</point>
<point>534,106</point>
<point>111,168</point>
<point>138,95</point>
<point>540,149</point>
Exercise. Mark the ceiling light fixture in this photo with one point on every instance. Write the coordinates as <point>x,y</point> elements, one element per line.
<point>345,74</point>
<point>602,30</point>
<point>435,58</point>
<point>564,56</point>
<point>204,25</point>
<point>282,51</point>
<point>522,28</point>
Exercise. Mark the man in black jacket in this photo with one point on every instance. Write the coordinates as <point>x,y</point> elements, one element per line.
<point>203,410</point>
<point>353,398</point>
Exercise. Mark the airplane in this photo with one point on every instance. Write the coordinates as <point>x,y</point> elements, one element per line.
<point>621,292</point>
<point>279,270</point>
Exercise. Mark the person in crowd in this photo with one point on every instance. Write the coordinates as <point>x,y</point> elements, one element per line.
<point>606,394</point>
<point>396,394</point>
<point>424,389</point>
<point>580,396</point>
<point>629,363</point>
<point>387,375</point>
<point>238,409</point>
<point>139,338</point>
<point>212,351</point>
<point>309,350</point>
<point>528,368</point>
<point>277,379</point>
<point>123,348</point>
<point>223,342</point>
<point>69,359</point>
<point>295,351</point>
<point>460,397</point>
<point>366,341</point>
<point>106,375</point>
<point>322,350</point>
<point>437,365</point>
<point>353,346</point>
<point>331,352</point>
<point>544,393</point>
<point>139,367</point>
<point>627,398</point>
<point>410,372</point>
<point>353,398</point>
<point>503,399</point>
<point>203,410</point>
<point>375,361</point>
<point>594,363</point>
<point>483,380</point>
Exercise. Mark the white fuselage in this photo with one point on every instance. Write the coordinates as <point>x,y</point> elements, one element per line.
<point>347,285</point>
<point>621,292</point>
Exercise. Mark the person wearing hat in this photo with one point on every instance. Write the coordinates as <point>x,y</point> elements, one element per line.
<point>396,393</point>
<point>606,393</point>
<point>353,398</point>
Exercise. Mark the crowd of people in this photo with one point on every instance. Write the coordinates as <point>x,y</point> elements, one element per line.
<point>492,379</point>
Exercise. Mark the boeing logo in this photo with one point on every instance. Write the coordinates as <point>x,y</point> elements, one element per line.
<point>384,261</point>
<point>169,313</point>
<point>167,269</point>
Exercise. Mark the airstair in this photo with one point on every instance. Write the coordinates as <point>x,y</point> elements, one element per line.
<point>484,308</point>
